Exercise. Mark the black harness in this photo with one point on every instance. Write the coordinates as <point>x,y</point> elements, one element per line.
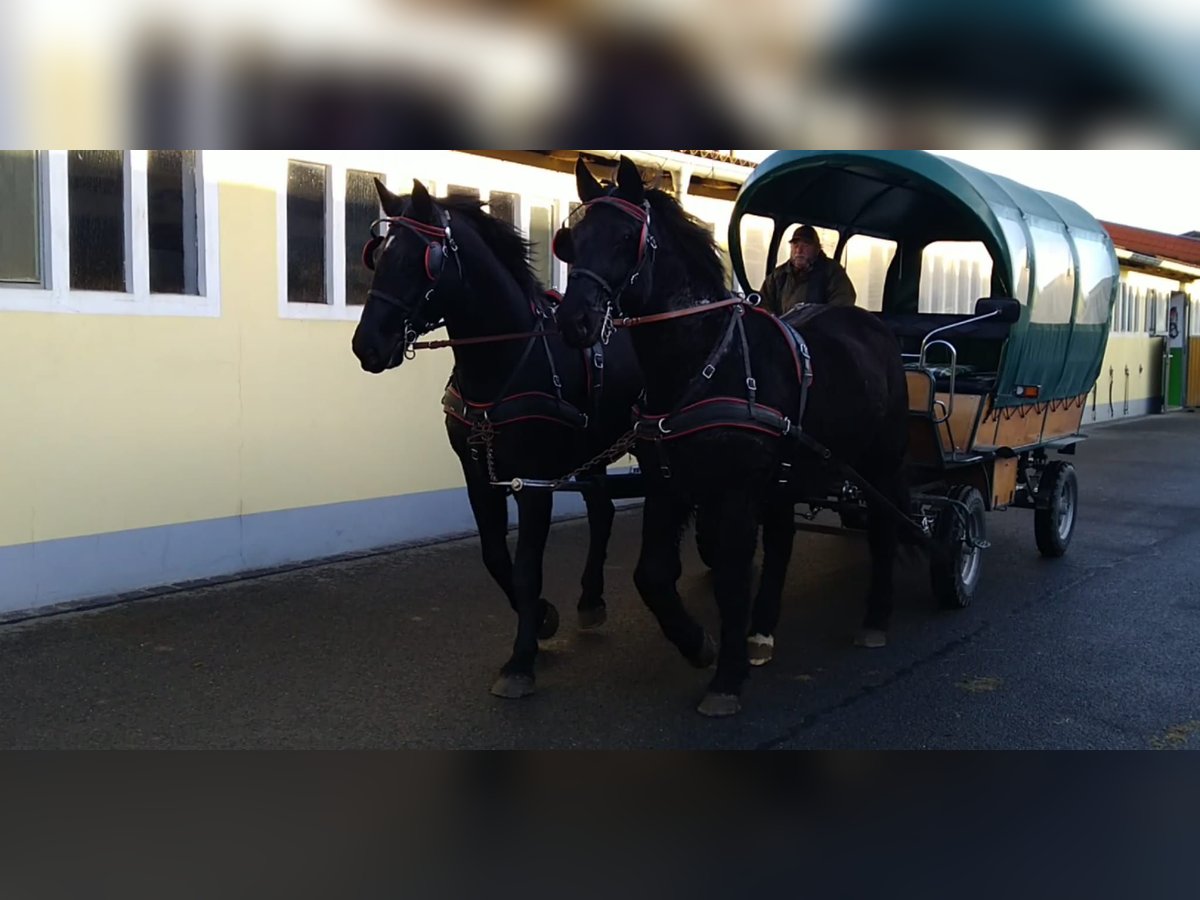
<point>526,406</point>
<point>507,409</point>
<point>694,412</point>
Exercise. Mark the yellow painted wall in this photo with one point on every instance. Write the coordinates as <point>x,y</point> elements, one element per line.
<point>119,422</point>
<point>1143,357</point>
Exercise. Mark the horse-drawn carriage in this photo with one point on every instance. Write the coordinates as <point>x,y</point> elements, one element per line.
<point>908,421</point>
<point>992,391</point>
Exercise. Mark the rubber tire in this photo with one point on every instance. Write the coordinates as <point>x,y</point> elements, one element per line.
<point>949,587</point>
<point>1057,479</point>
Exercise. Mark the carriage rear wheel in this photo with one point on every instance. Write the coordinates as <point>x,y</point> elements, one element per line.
<point>954,573</point>
<point>1057,501</point>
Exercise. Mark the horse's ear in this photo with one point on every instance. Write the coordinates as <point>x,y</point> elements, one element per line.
<point>389,201</point>
<point>589,188</point>
<point>629,181</point>
<point>422,203</point>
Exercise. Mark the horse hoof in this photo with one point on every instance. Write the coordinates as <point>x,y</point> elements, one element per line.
<point>716,706</point>
<point>761,649</point>
<point>873,638</point>
<point>707,655</point>
<point>513,687</point>
<point>592,616</point>
<point>549,626</point>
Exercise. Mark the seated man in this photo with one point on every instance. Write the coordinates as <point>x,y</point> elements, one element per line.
<point>809,276</point>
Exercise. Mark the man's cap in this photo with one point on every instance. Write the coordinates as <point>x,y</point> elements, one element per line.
<point>805,233</point>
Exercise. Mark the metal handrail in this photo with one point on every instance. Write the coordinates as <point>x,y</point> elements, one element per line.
<point>927,344</point>
<point>948,407</point>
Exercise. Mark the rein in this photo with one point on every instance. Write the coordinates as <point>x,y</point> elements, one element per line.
<point>487,339</point>
<point>629,322</point>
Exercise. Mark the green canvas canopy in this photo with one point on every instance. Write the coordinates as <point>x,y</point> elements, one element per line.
<point>1047,251</point>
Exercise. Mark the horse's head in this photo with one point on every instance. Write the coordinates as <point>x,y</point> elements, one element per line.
<point>407,251</point>
<point>608,248</point>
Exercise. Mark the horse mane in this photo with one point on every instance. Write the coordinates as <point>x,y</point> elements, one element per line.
<point>693,242</point>
<point>508,245</point>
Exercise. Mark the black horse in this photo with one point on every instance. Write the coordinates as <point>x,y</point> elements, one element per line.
<point>741,415</point>
<point>524,406</point>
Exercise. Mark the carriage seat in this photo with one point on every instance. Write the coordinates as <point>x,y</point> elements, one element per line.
<point>979,344</point>
<point>917,325</point>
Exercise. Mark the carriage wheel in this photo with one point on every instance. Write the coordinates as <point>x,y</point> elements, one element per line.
<point>955,574</point>
<point>1058,499</point>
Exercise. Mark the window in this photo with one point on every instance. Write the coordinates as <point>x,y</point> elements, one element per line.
<point>458,190</point>
<point>171,214</point>
<point>306,224</point>
<point>755,233</point>
<point>362,209</point>
<point>866,260</point>
<point>325,207</point>
<point>541,233</point>
<point>503,206</point>
<point>1054,273</point>
<point>135,232</point>
<point>20,218</point>
<point>96,198</point>
<point>1096,275</point>
<point>954,275</point>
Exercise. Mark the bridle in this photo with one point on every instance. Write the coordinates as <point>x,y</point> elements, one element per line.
<point>563,248</point>
<point>439,242</point>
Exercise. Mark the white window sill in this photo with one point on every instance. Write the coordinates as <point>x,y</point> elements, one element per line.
<point>320,312</point>
<point>106,303</point>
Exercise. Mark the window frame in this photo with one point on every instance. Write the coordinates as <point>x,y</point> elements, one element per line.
<point>336,167</point>
<point>436,174</point>
<point>55,294</point>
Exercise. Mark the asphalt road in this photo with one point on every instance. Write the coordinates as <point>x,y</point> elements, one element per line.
<point>1100,649</point>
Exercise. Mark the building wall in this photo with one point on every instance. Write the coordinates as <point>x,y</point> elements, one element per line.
<point>148,449</point>
<point>1119,395</point>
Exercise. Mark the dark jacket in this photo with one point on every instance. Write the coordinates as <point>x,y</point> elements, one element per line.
<point>826,282</point>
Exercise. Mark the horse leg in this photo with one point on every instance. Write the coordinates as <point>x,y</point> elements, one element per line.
<point>778,536</point>
<point>731,585</point>
<point>657,572</point>
<point>491,518</point>
<point>600,511</point>
<point>883,541</point>
<point>535,617</point>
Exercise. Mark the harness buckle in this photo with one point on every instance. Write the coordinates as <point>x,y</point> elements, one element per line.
<point>751,384</point>
<point>787,429</point>
<point>709,371</point>
<point>557,382</point>
<point>598,359</point>
<point>662,429</point>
